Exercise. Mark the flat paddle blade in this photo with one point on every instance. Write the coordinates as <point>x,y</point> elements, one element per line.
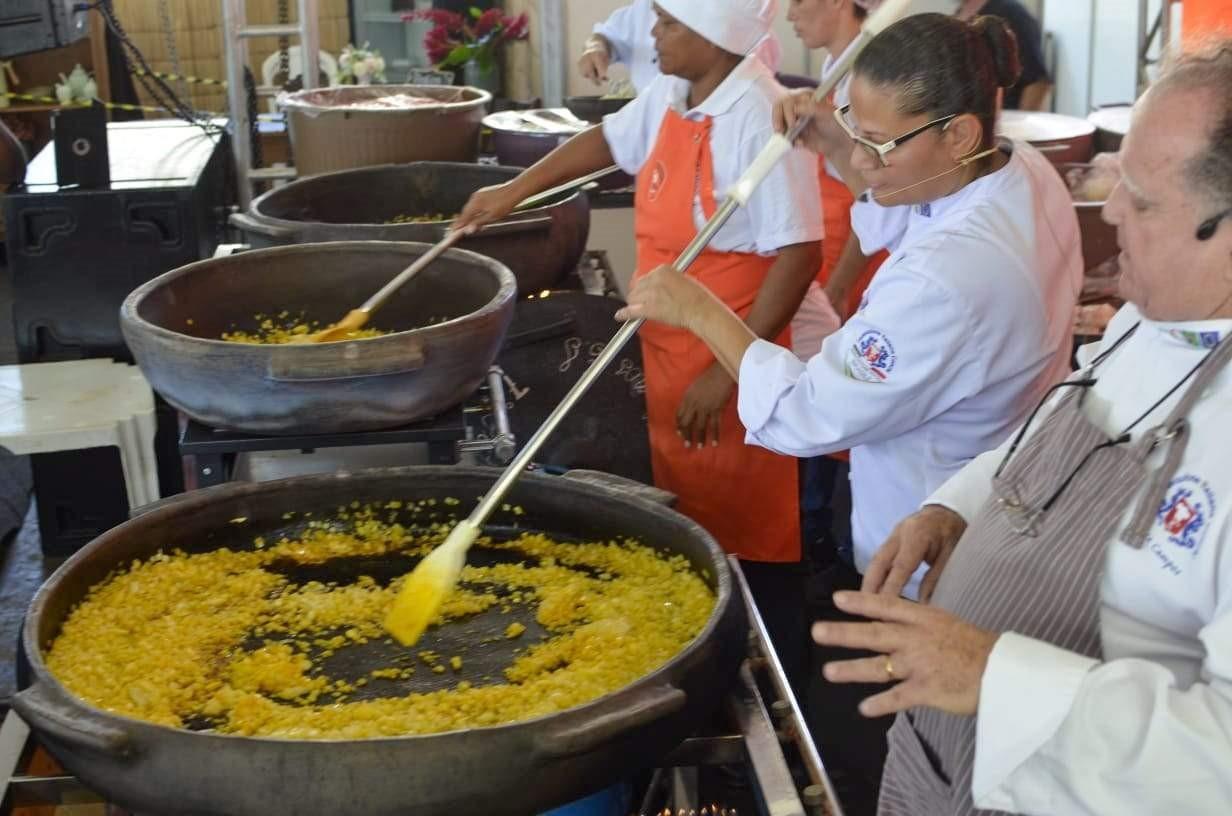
<point>428,585</point>
<point>355,320</point>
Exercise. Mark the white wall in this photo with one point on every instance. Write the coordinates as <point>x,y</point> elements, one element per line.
<point>1097,51</point>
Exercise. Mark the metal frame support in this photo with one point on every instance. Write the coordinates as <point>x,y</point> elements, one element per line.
<point>553,51</point>
<point>236,32</point>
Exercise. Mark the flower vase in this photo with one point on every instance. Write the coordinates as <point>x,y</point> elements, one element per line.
<point>476,77</point>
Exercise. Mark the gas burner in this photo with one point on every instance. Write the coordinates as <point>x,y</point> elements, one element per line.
<point>476,432</point>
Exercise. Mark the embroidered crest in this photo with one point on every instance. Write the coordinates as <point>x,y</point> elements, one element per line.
<point>1186,512</point>
<point>926,210</point>
<point>871,358</point>
<point>658,177</point>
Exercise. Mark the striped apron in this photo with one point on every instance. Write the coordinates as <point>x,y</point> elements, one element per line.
<point>1037,571</point>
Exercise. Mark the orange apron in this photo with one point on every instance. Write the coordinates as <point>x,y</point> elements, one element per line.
<point>745,496</point>
<point>1205,18</point>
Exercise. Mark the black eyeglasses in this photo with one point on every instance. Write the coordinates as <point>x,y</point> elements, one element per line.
<point>1206,230</point>
<point>879,151</point>
<point>1025,517</point>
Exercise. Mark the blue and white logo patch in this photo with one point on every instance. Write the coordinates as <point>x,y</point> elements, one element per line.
<point>1202,340</point>
<point>871,358</point>
<point>1186,513</point>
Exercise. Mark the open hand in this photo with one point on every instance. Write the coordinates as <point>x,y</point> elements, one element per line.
<point>702,408</point>
<point>934,658</point>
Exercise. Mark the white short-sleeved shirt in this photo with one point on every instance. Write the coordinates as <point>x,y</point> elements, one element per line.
<point>627,30</point>
<point>784,210</point>
<point>963,328</point>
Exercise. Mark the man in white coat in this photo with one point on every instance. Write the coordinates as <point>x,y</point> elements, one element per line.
<point>1075,655</point>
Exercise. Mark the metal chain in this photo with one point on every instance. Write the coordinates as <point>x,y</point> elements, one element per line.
<point>164,13</point>
<point>284,45</point>
<point>254,133</point>
<point>162,93</point>
<point>284,65</point>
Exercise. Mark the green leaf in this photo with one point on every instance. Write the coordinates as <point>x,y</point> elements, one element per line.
<point>476,13</point>
<point>459,56</point>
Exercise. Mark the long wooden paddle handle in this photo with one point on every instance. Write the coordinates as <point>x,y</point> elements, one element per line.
<point>452,237</point>
<point>375,302</point>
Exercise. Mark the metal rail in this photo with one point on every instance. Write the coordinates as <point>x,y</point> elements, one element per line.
<point>235,35</point>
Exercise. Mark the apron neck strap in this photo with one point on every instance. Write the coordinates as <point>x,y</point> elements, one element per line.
<point>1174,431</point>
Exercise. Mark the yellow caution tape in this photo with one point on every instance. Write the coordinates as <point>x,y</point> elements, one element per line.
<point>82,103</point>
<point>221,83</point>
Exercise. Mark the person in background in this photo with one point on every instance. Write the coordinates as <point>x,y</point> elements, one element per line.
<point>845,273</point>
<point>833,25</point>
<point>964,327</point>
<point>1074,654</point>
<point>688,138</point>
<point>1032,91</point>
<point>625,38</point>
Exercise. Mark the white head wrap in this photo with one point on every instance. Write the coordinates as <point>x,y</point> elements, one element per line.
<point>736,26</point>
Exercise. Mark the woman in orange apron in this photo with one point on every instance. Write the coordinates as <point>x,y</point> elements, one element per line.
<point>688,137</point>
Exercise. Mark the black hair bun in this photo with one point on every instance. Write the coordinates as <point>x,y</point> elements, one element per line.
<point>1003,45</point>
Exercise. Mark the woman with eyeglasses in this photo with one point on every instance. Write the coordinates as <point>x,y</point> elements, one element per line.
<point>965,325</point>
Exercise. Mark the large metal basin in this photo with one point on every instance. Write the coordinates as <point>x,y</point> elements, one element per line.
<point>173,324</point>
<point>540,246</point>
<point>510,770</point>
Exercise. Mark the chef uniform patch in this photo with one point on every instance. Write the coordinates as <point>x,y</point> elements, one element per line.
<point>871,358</point>
<point>1186,512</point>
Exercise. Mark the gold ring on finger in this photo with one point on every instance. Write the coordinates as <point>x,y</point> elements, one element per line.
<point>889,669</point>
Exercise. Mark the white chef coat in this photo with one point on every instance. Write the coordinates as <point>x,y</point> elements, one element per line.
<point>628,32</point>
<point>961,331</point>
<point>1147,730</point>
<point>784,210</point>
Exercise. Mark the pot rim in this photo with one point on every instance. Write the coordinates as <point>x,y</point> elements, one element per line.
<point>724,597</point>
<point>254,209</point>
<point>130,310</point>
<point>493,123</point>
<point>294,102</point>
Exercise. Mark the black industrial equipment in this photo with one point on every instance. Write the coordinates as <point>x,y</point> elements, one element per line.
<point>74,254</point>
<point>80,138</point>
<point>35,25</point>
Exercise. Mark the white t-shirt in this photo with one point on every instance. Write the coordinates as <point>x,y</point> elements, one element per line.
<point>961,331</point>
<point>1148,729</point>
<point>784,210</point>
